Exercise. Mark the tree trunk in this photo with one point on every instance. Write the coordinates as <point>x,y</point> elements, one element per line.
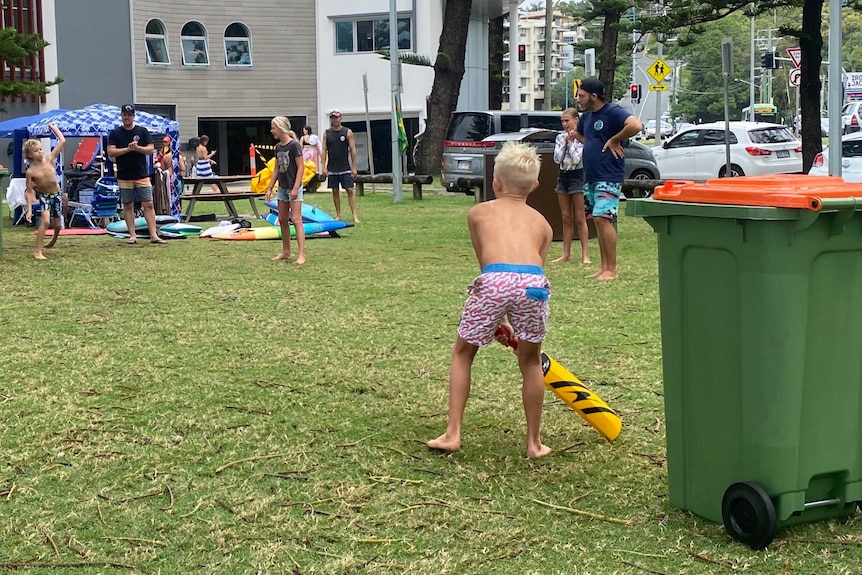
<point>810,44</point>
<point>608,56</point>
<point>448,72</point>
<point>495,63</point>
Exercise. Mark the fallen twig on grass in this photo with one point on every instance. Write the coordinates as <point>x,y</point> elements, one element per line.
<point>193,511</point>
<point>642,568</point>
<point>256,458</point>
<point>589,514</point>
<point>388,479</point>
<point>51,541</point>
<point>705,559</point>
<point>136,541</point>
<point>358,441</point>
<point>52,565</point>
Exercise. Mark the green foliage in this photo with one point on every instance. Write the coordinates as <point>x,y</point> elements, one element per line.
<point>408,58</point>
<point>15,48</point>
<point>443,62</point>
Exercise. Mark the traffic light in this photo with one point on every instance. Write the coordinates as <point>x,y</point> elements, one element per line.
<point>768,61</point>
<point>522,53</point>
<point>636,93</point>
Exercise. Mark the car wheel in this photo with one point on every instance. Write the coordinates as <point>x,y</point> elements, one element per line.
<point>735,171</point>
<point>641,174</point>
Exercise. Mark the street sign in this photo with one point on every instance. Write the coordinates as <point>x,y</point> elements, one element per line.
<point>795,56</point>
<point>576,85</point>
<point>657,87</point>
<point>658,70</point>
<point>794,77</point>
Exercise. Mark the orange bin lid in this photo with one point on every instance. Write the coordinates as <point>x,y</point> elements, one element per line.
<point>775,190</point>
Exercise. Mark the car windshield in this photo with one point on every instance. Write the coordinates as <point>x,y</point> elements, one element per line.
<point>776,135</point>
<point>467,127</point>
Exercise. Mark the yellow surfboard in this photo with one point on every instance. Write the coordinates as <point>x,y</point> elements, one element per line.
<point>573,392</point>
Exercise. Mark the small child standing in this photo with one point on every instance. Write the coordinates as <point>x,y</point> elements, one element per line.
<point>43,189</point>
<point>511,242</point>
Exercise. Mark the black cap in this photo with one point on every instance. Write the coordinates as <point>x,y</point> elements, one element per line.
<point>593,86</point>
<point>128,109</point>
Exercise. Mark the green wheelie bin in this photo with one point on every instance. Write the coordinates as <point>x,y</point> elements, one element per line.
<point>761,321</point>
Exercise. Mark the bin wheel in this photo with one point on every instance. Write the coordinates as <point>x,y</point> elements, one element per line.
<point>748,514</point>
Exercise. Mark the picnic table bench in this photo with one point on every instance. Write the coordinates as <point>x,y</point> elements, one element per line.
<point>417,180</point>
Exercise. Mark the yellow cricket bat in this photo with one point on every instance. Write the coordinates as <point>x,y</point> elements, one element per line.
<point>575,394</point>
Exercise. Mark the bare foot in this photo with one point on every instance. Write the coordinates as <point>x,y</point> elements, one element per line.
<point>596,274</point>
<point>282,256</point>
<point>39,257</point>
<point>355,221</point>
<point>586,261</point>
<point>157,240</point>
<point>607,275</point>
<point>300,260</point>
<point>540,451</point>
<point>445,443</point>
<point>562,259</point>
<point>132,241</point>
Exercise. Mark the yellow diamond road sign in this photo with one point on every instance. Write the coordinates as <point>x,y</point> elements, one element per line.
<point>658,70</point>
<point>657,87</point>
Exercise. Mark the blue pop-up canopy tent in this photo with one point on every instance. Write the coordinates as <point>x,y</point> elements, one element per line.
<point>100,119</point>
<point>16,128</point>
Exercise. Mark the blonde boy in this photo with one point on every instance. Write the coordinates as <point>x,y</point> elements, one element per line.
<point>43,189</point>
<point>511,242</point>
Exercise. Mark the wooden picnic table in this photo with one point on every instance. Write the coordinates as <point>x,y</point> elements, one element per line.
<point>224,195</point>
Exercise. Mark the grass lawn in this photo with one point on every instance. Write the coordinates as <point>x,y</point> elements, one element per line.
<point>200,408</point>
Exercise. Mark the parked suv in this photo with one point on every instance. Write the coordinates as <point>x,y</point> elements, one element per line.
<point>463,147</point>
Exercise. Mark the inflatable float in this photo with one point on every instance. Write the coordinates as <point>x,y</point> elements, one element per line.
<point>274,232</point>
<point>140,224</point>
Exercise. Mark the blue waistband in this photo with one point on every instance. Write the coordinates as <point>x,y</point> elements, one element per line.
<point>513,268</point>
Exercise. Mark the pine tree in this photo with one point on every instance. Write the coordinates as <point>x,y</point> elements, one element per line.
<point>15,50</point>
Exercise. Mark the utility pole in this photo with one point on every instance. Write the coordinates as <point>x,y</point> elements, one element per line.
<point>549,45</point>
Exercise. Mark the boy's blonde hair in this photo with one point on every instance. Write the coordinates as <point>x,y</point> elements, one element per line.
<point>517,166</point>
<point>29,146</point>
<point>283,124</point>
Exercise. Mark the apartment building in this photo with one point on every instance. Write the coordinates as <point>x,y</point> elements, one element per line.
<point>534,77</point>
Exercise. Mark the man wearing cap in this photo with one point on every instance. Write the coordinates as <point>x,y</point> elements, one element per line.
<point>337,143</point>
<point>129,146</point>
<point>602,128</point>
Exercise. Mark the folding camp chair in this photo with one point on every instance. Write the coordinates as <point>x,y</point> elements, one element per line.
<point>103,205</point>
<point>86,153</point>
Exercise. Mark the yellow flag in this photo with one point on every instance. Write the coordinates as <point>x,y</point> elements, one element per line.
<point>402,133</point>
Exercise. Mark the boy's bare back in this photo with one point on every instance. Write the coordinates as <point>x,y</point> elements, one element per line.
<point>506,230</point>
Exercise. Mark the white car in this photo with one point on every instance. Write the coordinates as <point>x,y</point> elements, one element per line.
<point>851,117</point>
<point>756,148</point>
<point>649,129</point>
<point>851,159</point>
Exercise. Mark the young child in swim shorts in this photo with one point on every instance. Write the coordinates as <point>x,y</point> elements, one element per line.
<point>511,242</point>
<point>43,190</point>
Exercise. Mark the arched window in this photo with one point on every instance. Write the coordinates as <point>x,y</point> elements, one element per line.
<point>193,38</point>
<point>157,43</point>
<point>237,45</point>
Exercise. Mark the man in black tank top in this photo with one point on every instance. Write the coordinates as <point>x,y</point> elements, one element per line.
<point>339,162</point>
